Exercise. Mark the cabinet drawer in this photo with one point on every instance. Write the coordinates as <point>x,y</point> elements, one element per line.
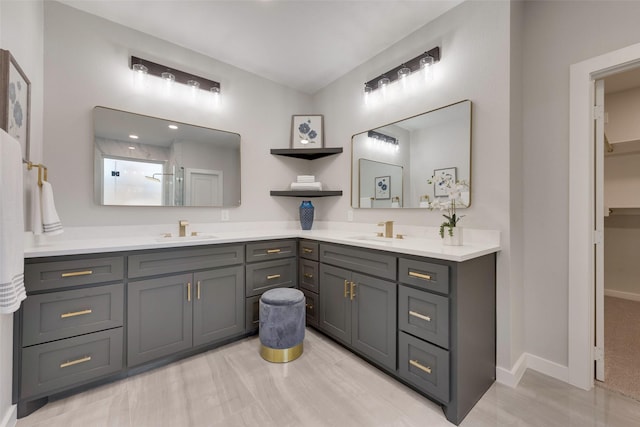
<point>270,274</point>
<point>308,271</point>
<point>424,315</point>
<point>60,364</point>
<point>362,260</point>
<point>425,275</point>
<point>42,276</point>
<point>57,315</point>
<point>174,261</point>
<point>424,365</point>
<point>271,250</point>
<point>311,303</point>
<point>308,249</point>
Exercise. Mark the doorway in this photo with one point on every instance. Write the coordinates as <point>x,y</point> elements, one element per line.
<point>582,236</point>
<point>619,215</point>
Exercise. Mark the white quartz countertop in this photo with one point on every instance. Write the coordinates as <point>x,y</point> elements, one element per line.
<point>421,241</point>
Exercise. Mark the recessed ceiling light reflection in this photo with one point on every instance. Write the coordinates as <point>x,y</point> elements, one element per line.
<point>132,136</point>
<point>174,127</point>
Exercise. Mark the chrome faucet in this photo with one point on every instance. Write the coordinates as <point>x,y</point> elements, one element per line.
<point>183,227</point>
<point>388,228</point>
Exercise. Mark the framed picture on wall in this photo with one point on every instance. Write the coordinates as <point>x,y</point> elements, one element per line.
<point>307,131</point>
<point>15,102</point>
<point>382,188</point>
<point>441,177</point>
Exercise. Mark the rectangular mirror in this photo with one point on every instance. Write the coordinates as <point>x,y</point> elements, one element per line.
<point>147,161</point>
<point>391,165</point>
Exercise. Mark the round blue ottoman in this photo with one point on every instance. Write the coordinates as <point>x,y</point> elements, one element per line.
<point>282,322</point>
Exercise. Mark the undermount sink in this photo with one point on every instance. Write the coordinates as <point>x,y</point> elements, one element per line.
<point>186,238</point>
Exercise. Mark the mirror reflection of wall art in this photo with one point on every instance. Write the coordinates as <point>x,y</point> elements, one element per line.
<point>15,91</point>
<point>307,131</point>
<point>382,187</point>
<point>449,176</point>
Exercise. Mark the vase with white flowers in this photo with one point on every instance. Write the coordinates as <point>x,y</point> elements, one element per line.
<point>450,231</point>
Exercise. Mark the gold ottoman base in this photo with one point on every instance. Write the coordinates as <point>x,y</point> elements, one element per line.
<point>280,355</point>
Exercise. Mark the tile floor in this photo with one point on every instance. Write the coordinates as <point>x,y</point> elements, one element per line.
<point>326,386</point>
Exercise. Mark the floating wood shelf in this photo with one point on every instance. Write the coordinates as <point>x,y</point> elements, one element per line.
<point>302,193</point>
<point>306,153</point>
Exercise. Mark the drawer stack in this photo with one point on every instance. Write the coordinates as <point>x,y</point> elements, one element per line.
<point>72,323</point>
<point>308,278</point>
<point>423,323</point>
<point>269,265</point>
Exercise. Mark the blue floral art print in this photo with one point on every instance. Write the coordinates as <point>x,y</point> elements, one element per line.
<point>307,132</point>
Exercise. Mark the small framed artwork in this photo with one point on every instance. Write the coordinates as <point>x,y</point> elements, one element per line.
<point>307,131</point>
<point>15,102</point>
<point>382,187</point>
<point>443,177</point>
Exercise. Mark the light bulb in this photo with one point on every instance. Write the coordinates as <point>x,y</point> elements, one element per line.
<point>383,82</point>
<point>139,68</point>
<point>168,76</point>
<point>404,72</point>
<point>193,84</point>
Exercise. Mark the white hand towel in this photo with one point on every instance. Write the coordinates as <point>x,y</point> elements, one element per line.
<point>51,224</point>
<point>306,178</point>
<point>12,290</point>
<point>310,186</point>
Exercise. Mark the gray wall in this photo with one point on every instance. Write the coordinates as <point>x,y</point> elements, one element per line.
<point>256,108</point>
<point>475,42</point>
<point>556,35</point>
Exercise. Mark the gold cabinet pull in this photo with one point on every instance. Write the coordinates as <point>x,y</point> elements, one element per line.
<point>308,275</point>
<point>198,289</point>
<point>307,250</point>
<point>419,275</point>
<point>353,291</point>
<point>273,276</point>
<point>420,366</point>
<point>346,288</point>
<point>75,362</point>
<point>273,251</point>
<point>77,273</point>
<point>189,291</point>
<point>419,316</point>
<point>75,313</point>
<point>309,307</point>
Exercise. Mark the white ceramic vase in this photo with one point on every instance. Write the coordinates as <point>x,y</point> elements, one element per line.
<point>452,240</point>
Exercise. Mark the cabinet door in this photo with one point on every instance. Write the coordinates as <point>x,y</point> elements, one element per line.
<point>218,310</point>
<point>159,317</point>
<point>335,305</point>
<point>374,315</point>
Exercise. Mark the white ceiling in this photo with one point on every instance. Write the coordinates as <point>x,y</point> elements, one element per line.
<point>303,44</point>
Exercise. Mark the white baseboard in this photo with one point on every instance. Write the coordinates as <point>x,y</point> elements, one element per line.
<point>10,418</point>
<point>526,361</point>
<point>512,377</point>
<point>620,294</point>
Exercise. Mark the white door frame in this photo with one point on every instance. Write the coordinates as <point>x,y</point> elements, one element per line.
<point>581,207</point>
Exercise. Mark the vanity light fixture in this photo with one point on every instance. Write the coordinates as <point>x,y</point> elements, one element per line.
<point>381,137</point>
<point>423,61</point>
<point>144,66</point>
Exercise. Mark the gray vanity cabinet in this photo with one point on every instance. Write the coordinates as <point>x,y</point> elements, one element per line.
<point>270,265</point>
<point>159,318</point>
<point>172,313</point>
<point>358,309</point>
<point>308,278</point>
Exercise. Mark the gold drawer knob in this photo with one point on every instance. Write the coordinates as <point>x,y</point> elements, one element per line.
<point>273,276</point>
<point>273,251</point>
<point>420,366</point>
<point>419,316</point>
<point>308,275</point>
<point>307,250</point>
